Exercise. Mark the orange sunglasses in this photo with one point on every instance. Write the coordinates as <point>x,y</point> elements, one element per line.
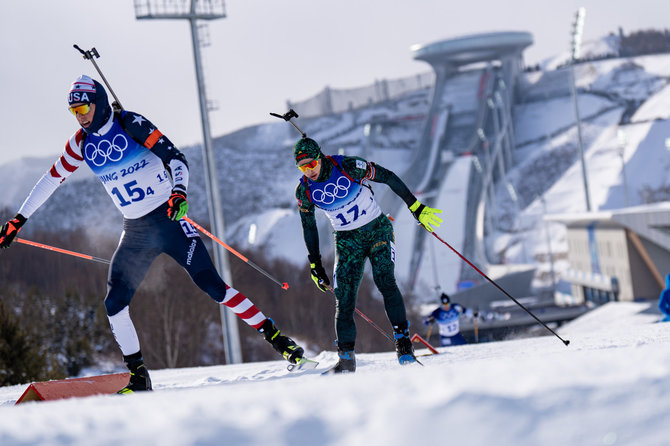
<point>309,166</point>
<point>81,109</point>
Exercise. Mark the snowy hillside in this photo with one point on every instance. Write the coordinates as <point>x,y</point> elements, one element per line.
<point>608,387</point>
<point>624,118</point>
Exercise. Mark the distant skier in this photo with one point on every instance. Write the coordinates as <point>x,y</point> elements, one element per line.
<point>447,318</point>
<point>339,186</point>
<point>664,300</point>
<point>146,177</point>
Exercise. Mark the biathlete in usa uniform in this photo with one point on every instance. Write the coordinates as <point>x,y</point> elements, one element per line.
<point>339,185</point>
<point>448,319</point>
<point>146,178</point>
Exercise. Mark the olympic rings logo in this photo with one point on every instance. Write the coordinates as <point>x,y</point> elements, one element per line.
<point>331,191</point>
<point>106,150</point>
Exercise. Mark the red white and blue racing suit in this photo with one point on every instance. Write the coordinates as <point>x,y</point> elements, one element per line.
<point>140,168</point>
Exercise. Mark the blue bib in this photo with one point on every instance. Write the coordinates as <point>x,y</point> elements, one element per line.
<point>348,203</point>
<point>133,176</point>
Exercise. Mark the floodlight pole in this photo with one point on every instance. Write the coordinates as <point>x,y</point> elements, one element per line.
<point>209,10</point>
<point>623,140</point>
<point>231,337</point>
<point>577,28</point>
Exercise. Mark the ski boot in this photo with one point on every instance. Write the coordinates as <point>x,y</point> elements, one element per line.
<point>284,345</point>
<point>403,344</point>
<point>139,375</point>
<point>346,363</point>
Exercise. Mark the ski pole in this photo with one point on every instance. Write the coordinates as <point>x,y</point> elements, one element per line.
<point>287,117</point>
<point>566,342</point>
<point>240,256</point>
<point>62,251</point>
<point>91,55</point>
<point>360,313</point>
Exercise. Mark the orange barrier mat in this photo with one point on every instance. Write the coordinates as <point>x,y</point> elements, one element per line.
<point>418,338</point>
<point>74,387</point>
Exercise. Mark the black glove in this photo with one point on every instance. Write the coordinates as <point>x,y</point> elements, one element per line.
<point>177,206</point>
<point>318,273</point>
<point>10,229</point>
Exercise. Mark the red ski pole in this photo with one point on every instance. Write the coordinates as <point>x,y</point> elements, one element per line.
<point>566,342</point>
<point>367,319</point>
<point>62,251</point>
<point>284,285</point>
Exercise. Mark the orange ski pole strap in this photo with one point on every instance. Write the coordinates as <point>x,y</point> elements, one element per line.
<point>284,285</point>
<point>62,251</point>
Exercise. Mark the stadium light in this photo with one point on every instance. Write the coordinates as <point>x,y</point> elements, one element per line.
<point>623,141</point>
<point>577,29</point>
<point>194,10</point>
<point>575,47</point>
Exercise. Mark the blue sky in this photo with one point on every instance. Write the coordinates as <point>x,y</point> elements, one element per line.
<point>263,53</point>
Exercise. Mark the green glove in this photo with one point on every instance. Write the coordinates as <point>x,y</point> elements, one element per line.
<point>426,215</point>
<point>177,206</point>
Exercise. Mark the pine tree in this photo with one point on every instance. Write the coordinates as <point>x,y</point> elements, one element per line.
<point>21,360</point>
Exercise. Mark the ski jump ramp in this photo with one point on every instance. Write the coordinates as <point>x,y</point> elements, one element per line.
<point>447,185</point>
<point>439,265</point>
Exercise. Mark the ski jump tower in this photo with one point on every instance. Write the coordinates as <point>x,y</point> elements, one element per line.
<point>487,134</point>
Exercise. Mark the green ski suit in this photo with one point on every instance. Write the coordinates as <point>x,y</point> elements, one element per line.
<point>374,239</point>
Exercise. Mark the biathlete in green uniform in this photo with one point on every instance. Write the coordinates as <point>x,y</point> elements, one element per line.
<point>339,185</point>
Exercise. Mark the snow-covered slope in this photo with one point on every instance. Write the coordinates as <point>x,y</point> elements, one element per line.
<point>624,126</point>
<point>608,387</point>
<point>258,178</point>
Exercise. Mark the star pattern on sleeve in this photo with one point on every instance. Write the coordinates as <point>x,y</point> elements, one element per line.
<point>138,120</point>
